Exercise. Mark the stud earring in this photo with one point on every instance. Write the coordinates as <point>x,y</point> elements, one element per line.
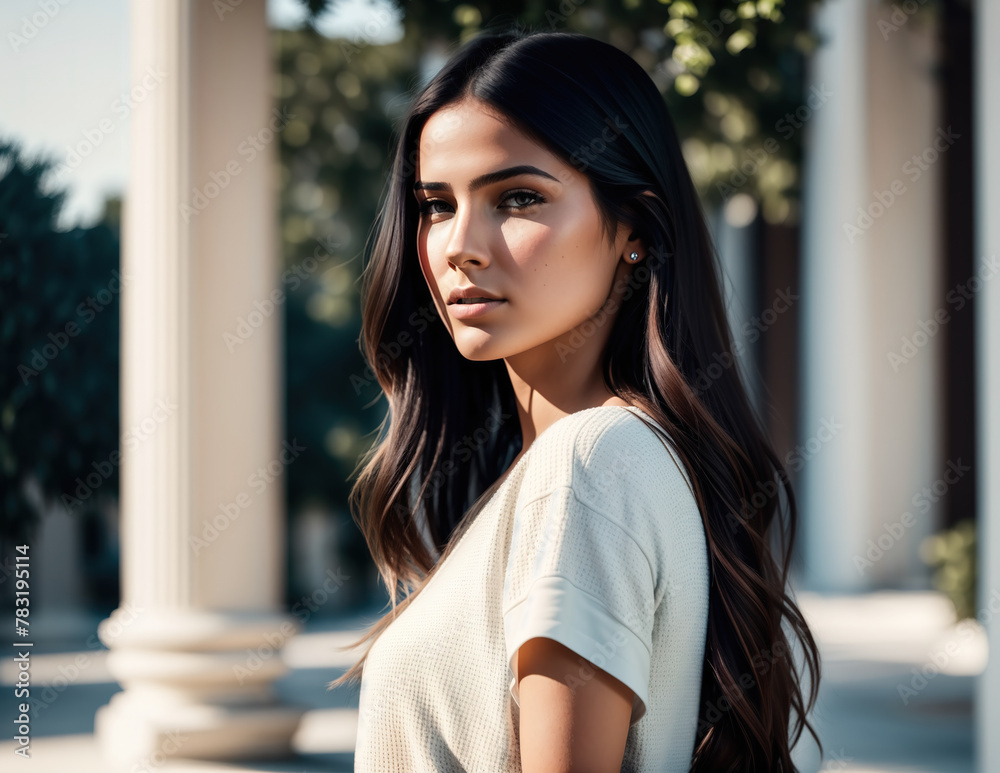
<point>634,256</point>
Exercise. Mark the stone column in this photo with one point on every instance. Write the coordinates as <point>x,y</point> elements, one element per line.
<point>735,245</point>
<point>869,425</point>
<point>195,642</point>
<point>986,67</point>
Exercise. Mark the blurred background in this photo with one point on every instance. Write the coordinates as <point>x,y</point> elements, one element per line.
<point>186,190</point>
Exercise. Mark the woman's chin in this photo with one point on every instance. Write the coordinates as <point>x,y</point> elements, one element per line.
<point>477,344</point>
<point>478,353</point>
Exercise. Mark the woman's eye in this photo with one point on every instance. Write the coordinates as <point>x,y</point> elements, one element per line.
<point>527,199</point>
<point>531,196</point>
<point>427,207</point>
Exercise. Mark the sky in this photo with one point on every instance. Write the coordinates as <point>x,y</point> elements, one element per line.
<point>65,69</point>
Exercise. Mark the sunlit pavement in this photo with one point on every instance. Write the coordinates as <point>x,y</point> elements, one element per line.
<point>898,682</point>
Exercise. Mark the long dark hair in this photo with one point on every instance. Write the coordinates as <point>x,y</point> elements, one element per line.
<point>448,437</point>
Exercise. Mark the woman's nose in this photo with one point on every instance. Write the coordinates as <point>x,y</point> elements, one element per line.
<point>467,239</point>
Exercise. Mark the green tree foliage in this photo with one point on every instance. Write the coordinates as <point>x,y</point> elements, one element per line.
<point>59,293</point>
<point>952,553</point>
<point>332,151</point>
<point>732,73</point>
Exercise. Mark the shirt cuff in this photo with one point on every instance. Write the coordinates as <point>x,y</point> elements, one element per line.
<point>556,609</point>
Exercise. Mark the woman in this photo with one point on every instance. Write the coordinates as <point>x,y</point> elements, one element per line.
<point>543,282</point>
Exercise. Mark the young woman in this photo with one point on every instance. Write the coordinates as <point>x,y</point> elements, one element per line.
<point>582,536</point>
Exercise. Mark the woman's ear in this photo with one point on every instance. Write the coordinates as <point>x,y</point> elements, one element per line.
<point>636,235</point>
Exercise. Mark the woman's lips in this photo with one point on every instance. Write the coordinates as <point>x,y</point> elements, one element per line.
<point>469,310</point>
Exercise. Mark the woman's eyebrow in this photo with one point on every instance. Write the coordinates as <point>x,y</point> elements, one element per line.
<point>487,179</point>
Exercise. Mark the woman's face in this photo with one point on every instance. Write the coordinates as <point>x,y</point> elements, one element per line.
<point>530,237</point>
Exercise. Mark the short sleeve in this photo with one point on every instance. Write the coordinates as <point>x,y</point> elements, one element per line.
<point>576,571</point>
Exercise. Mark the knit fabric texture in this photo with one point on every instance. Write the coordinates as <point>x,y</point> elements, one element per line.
<point>594,540</point>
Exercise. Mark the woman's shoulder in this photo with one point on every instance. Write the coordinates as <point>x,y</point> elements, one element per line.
<point>603,479</point>
<point>584,430</point>
<point>606,454</point>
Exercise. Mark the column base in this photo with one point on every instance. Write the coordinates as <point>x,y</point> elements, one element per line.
<point>197,685</point>
<point>133,732</point>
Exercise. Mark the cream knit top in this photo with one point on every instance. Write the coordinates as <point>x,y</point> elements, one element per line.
<point>593,539</point>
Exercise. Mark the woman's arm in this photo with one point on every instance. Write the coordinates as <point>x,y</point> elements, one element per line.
<point>574,716</point>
